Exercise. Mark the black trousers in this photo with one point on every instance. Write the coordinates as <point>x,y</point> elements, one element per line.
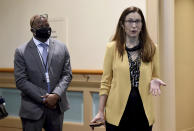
<point>110,127</point>
<point>134,117</point>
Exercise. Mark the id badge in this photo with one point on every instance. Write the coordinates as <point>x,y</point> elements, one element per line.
<point>47,77</point>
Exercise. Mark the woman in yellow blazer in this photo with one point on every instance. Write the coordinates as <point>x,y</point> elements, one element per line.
<point>130,76</point>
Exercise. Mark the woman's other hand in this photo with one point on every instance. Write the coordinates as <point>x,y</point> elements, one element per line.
<point>99,118</point>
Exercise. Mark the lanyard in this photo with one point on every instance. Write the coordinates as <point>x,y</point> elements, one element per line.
<point>44,65</point>
<point>46,71</point>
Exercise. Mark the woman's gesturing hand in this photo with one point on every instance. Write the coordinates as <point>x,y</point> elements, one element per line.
<point>155,86</point>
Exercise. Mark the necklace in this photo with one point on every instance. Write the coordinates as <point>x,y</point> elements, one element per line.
<point>134,55</point>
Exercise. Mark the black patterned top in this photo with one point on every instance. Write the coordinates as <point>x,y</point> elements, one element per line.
<point>134,117</point>
<point>134,68</point>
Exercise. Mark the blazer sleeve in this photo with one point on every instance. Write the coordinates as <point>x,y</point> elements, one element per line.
<point>155,64</point>
<point>22,80</point>
<point>107,70</point>
<point>66,75</point>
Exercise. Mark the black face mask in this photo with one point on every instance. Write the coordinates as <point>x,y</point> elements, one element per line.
<point>43,33</point>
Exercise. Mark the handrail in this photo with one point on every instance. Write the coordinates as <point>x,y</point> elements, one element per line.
<point>74,71</point>
<point>9,70</point>
<point>89,72</point>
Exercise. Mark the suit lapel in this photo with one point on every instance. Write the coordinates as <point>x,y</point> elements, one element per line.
<point>51,51</point>
<point>35,55</point>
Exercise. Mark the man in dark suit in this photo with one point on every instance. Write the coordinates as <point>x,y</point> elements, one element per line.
<point>42,73</point>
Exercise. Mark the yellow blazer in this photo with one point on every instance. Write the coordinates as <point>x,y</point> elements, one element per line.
<point>116,84</point>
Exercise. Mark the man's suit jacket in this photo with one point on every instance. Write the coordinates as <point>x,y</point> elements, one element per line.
<point>30,77</point>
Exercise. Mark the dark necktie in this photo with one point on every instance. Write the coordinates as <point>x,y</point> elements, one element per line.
<point>44,58</point>
<point>44,52</point>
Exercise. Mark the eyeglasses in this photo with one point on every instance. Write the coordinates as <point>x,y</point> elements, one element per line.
<point>130,21</point>
<point>43,16</point>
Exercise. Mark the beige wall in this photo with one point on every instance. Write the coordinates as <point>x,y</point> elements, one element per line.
<point>89,25</point>
<point>184,48</point>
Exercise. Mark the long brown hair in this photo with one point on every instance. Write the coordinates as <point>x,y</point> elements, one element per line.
<point>148,47</point>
